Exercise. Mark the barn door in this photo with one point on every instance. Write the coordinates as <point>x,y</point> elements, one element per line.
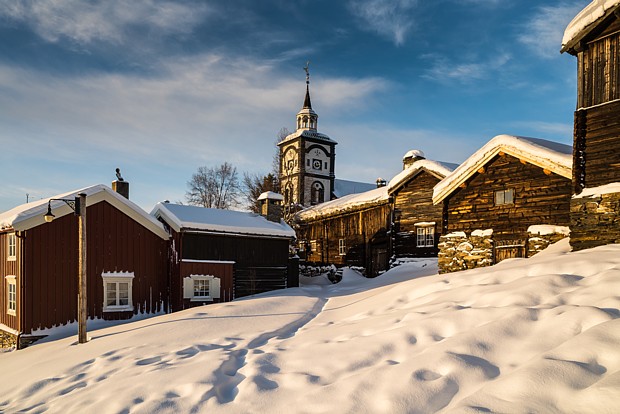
<point>509,249</point>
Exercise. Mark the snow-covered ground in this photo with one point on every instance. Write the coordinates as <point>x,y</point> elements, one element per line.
<point>538,335</point>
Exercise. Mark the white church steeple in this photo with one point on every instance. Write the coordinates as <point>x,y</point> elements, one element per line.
<point>307,119</point>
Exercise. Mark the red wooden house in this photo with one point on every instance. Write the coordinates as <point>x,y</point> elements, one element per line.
<point>218,255</point>
<point>127,266</point>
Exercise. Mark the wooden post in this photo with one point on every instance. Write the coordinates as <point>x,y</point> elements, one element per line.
<point>82,273</point>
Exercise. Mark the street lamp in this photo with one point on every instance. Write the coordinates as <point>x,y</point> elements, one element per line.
<point>78,205</point>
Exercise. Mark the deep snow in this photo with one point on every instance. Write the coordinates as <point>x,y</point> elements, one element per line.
<point>528,335</point>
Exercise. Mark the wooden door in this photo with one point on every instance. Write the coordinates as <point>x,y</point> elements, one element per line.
<point>509,249</point>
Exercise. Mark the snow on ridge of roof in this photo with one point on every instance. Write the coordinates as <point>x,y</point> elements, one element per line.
<point>346,203</point>
<point>308,134</point>
<point>29,215</point>
<point>585,18</point>
<point>554,156</point>
<point>438,168</point>
<point>270,195</point>
<point>226,221</point>
<point>344,188</point>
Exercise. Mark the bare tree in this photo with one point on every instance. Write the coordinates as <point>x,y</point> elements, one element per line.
<point>214,187</point>
<point>255,185</point>
<point>275,165</point>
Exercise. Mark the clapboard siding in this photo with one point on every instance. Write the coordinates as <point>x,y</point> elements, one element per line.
<point>115,242</point>
<point>9,268</point>
<point>540,198</point>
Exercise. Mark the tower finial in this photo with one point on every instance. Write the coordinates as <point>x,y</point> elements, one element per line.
<point>307,69</point>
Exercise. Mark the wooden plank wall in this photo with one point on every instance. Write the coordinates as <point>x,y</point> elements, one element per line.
<point>599,69</point>
<point>260,262</point>
<point>358,228</point>
<point>8,268</point>
<point>539,199</point>
<point>415,204</point>
<point>115,243</point>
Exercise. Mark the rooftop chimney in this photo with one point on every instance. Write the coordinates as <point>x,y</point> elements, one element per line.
<point>411,157</point>
<point>120,185</point>
<point>381,182</point>
<point>270,206</point>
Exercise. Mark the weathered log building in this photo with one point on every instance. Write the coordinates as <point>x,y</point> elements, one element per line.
<point>499,193</point>
<point>417,222</point>
<point>126,267</point>
<point>367,229</point>
<point>218,255</point>
<point>594,38</point>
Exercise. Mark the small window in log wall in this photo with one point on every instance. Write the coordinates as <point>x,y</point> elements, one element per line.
<point>342,247</point>
<point>504,197</point>
<point>425,237</point>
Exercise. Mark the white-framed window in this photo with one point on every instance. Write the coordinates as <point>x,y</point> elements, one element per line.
<point>342,247</point>
<point>313,246</point>
<point>201,288</point>
<point>11,295</point>
<point>11,247</point>
<point>117,291</point>
<point>504,197</point>
<point>425,237</point>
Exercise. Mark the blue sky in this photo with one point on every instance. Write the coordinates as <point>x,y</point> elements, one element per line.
<point>159,88</point>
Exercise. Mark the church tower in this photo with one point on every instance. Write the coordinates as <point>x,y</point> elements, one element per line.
<point>307,159</point>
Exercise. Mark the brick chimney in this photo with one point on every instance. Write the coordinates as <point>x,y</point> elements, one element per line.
<point>381,182</point>
<point>411,157</point>
<point>120,185</point>
<point>271,206</point>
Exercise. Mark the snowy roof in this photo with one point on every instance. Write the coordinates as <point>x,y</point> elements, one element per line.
<point>345,187</point>
<point>270,195</point>
<point>222,221</point>
<point>584,21</point>
<point>307,134</point>
<point>29,215</point>
<point>599,191</point>
<point>345,204</point>
<point>436,168</point>
<point>553,156</point>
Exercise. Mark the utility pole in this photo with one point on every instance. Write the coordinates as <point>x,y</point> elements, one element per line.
<point>82,288</point>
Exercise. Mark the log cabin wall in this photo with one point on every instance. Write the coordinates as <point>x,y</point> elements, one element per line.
<point>597,119</point>
<point>413,204</point>
<point>115,242</point>
<point>360,231</point>
<point>539,198</point>
<point>260,262</point>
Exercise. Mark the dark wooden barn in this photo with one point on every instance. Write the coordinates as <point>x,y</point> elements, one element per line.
<point>351,231</point>
<point>219,255</point>
<point>496,195</point>
<point>417,222</point>
<point>594,38</point>
<point>127,263</point>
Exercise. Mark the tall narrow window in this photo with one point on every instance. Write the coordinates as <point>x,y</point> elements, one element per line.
<point>317,193</point>
<point>425,237</point>
<point>117,291</point>
<point>342,247</point>
<point>11,247</point>
<point>11,295</point>
<point>504,197</point>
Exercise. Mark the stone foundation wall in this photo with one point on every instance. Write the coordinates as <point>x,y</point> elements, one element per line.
<point>595,220</point>
<point>458,252</point>
<point>7,340</point>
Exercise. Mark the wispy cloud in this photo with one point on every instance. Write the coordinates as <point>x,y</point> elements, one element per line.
<point>543,32</point>
<point>194,109</point>
<point>444,70</point>
<point>389,18</point>
<point>553,128</point>
<point>83,22</point>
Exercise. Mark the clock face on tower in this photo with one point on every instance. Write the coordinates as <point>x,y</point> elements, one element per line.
<point>289,160</point>
<point>316,164</point>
